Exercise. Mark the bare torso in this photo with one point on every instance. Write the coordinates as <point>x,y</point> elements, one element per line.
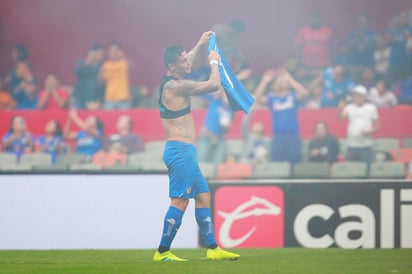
<point>181,128</point>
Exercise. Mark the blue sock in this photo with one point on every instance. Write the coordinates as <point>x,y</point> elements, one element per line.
<point>204,220</point>
<point>172,222</point>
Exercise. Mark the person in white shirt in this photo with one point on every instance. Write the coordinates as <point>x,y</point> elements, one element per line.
<point>363,122</point>
<point>380,96</point>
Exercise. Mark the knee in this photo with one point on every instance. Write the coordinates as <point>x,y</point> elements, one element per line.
<point>203,200</point>
<point>179,203</point>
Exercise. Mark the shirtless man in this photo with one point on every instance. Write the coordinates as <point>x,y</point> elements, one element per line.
<point>185,178</point>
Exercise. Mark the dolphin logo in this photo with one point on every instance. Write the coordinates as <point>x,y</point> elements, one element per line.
<point>241,213</point>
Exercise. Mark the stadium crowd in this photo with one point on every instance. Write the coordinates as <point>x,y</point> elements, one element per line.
<point>357,74</point>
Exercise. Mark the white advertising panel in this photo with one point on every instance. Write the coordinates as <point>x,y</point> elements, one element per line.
<point>87,212</point>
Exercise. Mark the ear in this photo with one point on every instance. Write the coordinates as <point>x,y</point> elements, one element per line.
<point>171,67</point>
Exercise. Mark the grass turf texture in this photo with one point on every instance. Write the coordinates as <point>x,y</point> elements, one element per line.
<point>286,260</point>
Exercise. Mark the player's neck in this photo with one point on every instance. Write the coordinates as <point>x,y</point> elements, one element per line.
<point>175,75</point>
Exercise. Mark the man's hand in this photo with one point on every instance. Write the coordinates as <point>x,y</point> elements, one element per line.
<point>214,56</point>
<point>269,76</point>
<point>205,37</point>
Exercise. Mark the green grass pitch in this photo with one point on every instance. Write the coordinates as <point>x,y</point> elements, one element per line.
<point>288,260</point>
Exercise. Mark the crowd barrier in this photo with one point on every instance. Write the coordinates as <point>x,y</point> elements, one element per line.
<point>395,122</point>
<point>126,212</point>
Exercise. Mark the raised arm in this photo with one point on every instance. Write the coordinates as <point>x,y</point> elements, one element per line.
<point>301,91</point>
<point>188,87</point>
<point>261,88</point>
<point>203,40</point>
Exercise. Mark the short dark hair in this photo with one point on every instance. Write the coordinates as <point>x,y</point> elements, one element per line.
<point>22,52</point>
<point>97,46</point>
<point>171,55</point>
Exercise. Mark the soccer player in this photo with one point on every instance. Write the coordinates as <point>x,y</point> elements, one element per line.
<point>186,179</point>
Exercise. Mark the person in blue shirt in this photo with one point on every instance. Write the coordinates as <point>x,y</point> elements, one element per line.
<point>336,85</point>
<point>211,144</point>
<point>361,44</point>
<point>398,35</point>
<point>25,94</point>
<point>89,138</point>
<point>18,140</point>
<point>52,141</point>
<point>284,93</point>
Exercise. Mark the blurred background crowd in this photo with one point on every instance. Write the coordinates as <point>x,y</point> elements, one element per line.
<point>358,74</point>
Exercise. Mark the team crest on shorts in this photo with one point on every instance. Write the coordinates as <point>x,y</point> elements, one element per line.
<point>189,190</point>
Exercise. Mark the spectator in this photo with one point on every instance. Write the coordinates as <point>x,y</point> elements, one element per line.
<point>6,101</point>
<point>256,147</point>
<point>361,43</point>
<point>404,89</point>
<point>363,123</point>
<point>18,140</point>
<point>26,95</point>
<point>115,74</point>
<point>282,100</point>
<point>315,99</point>
<point>314,43</point>
<point>227,36</point>
<point>89,138</point>
<point>368,79</point>
<point>52,141</point>
<point>21,70</point>
<point>336,85</point>
<point>324,147</point>
<point>398,35</point>
<point>211,146</point>
<point>124,141</point>
<point>381,56</point>
<point>380,96</point>
<point>53,96</point>
<point>88,92</point>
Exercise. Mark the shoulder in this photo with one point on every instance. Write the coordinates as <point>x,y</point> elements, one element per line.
<point>7,135</point>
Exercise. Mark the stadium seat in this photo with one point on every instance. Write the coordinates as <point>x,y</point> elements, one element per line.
<point>311,170</point>
<point>385,144</point>
<point>142,157</point>
<point>407,143</point>
<point>36,158</point>
<point>348,170</point>
<point>8,158</point>
<point>402,155</point>
<point>50,168</point>
<point>272,170</point>
<point>148,166</point>
<point>106,159</point>
<point>208,169</point>
<point>155,146</point>
<point>15,167</point>
<point>387,170</point>
<point>84,167</point>
<point>343,147</point>
<point>305,149</point>
<point>233,171</point>
<point>123,168</point>
<point>235,147</point>
<point>70,159</point>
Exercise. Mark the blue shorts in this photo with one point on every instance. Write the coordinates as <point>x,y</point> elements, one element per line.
<point>185,178</point>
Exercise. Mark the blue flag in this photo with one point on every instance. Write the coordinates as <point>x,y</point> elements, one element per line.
<point>239,97</point>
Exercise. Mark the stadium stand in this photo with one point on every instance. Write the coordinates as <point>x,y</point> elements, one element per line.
<point>311,170</point>
<point>232,171</point>
<point>348,170</point>
<point>272,170</point>
<point>386,170</point>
